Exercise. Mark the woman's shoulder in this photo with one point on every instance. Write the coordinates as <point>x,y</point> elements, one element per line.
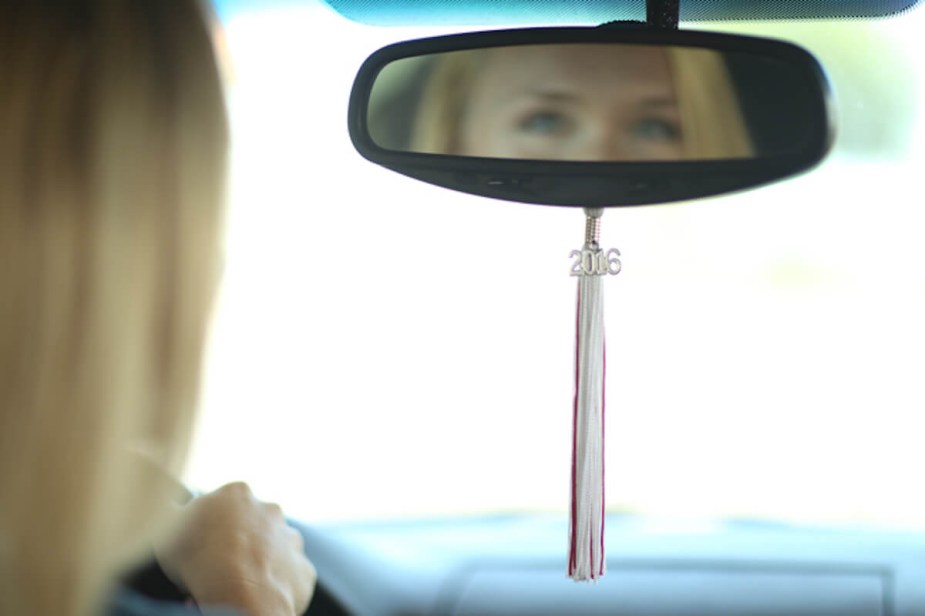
<point>127,603</point>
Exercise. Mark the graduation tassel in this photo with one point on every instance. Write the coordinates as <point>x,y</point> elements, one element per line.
<point>586,525</point>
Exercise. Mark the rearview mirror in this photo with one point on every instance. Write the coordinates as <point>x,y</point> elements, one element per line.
<point>592,117</point>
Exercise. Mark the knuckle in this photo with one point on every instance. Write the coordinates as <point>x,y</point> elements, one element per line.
<point>239,488</point>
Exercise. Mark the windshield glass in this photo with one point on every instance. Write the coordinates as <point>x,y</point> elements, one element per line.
<point>387,348</point>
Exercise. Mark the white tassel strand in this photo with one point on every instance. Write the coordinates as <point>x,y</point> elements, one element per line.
<point>586,527</point>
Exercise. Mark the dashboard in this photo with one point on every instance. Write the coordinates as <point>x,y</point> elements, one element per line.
<point>514,565</point>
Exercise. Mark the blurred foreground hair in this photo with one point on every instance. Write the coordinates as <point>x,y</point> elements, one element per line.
<point>113,141</point>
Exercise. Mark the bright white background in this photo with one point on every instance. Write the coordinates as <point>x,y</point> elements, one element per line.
<point>387,348</point>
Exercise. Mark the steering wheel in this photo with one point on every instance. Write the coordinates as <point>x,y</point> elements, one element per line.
<point>150,581</point>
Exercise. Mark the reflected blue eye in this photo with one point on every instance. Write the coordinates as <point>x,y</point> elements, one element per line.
<point>544,123</point>
<point>657,129</point>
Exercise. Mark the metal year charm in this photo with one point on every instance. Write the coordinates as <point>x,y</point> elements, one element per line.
<point>592,260</point>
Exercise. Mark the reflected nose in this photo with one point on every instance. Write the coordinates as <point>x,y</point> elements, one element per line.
<point>615,145</point>
<point>606,145</point>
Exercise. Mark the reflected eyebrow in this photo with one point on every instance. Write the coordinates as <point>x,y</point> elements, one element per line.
<point>546,96</point>
<point>564,96</point>
<point>553,96</point>
<point>659,102</point>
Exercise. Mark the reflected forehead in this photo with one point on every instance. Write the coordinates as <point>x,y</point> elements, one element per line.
<point>618,58</point>
<point>601,65</point>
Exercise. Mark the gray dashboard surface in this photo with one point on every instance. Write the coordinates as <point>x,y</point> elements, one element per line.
<point>509,565</point>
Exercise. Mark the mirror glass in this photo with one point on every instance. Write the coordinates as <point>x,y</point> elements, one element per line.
<point>591,102</point>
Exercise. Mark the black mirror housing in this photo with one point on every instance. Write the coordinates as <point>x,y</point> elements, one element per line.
<point>791,105</point>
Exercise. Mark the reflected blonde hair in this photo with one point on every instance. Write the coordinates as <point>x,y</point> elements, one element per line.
<point>443,102</point>
<point>113,140</point>
<point>703,86</point>
<point>711,116</point>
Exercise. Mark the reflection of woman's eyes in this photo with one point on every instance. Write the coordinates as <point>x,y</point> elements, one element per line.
<point>657,129</point>
<point>548,123</point>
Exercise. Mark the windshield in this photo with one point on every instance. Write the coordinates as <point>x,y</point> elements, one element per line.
<point>385,348</point>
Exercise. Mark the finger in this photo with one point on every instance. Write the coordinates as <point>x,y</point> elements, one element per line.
<point>297,539</point>
<point>237,488</point>
<point>274,511</point>
<point>306,581</point>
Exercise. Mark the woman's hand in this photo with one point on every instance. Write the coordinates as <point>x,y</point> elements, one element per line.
<point>231,549</point>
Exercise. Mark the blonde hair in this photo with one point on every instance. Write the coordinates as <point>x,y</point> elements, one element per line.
<point>443,102</point>
<point>711,117</point>
<point>113,143</point>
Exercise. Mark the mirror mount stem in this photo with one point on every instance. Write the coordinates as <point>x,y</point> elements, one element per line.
<point>663,14</point>
<point>593,226</point>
